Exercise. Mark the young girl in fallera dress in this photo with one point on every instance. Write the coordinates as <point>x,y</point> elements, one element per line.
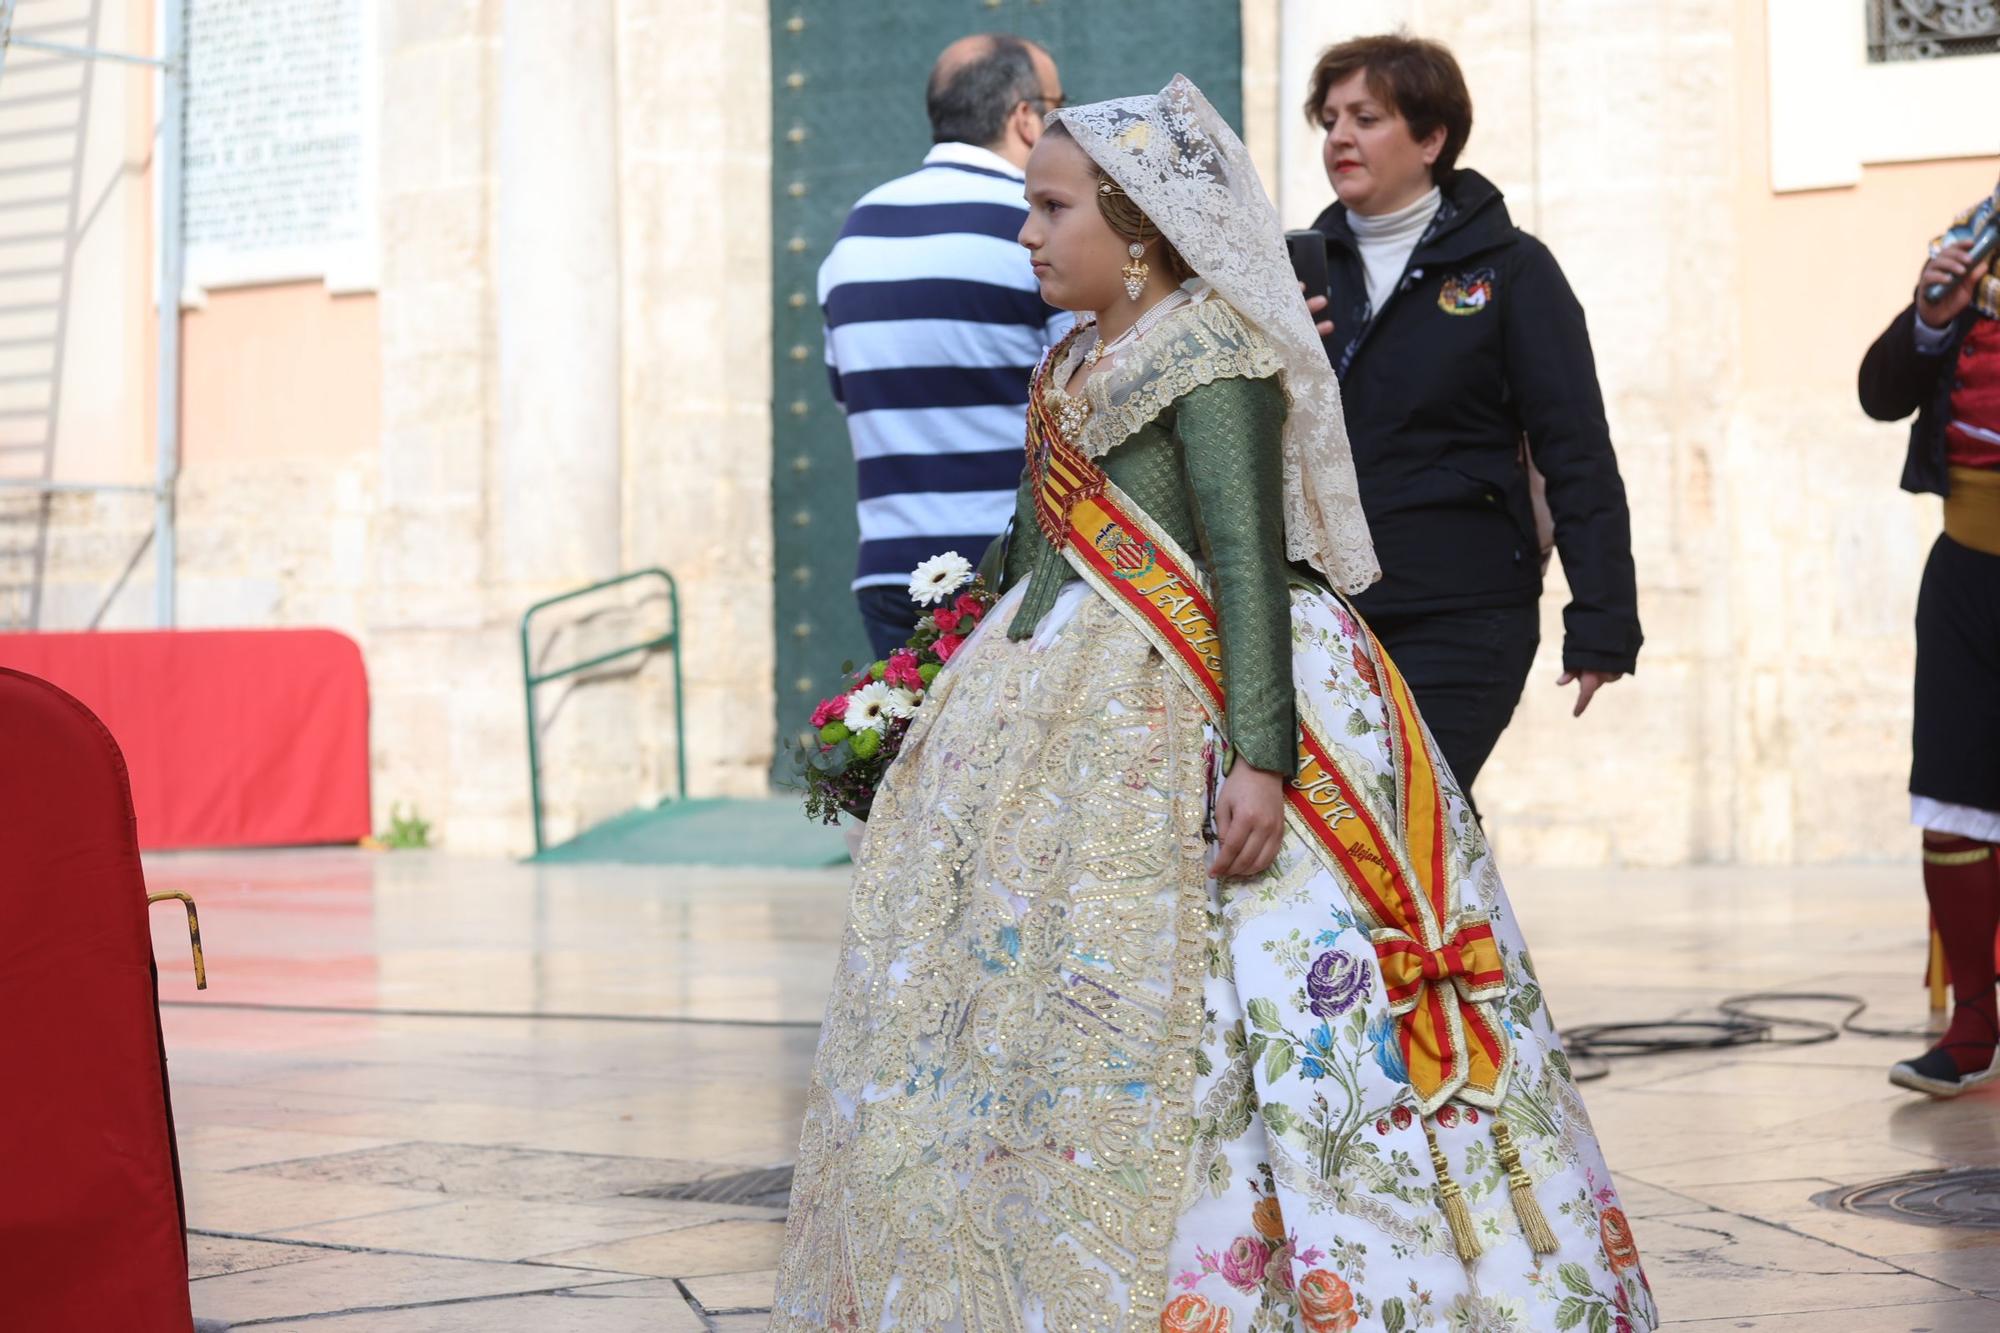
<point>1179,989</point>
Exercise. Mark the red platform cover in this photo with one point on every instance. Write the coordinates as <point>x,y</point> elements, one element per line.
<point>234,738</point>
<point>90,1216</point>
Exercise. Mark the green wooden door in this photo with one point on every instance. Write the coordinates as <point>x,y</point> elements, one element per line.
<point>847,88</point>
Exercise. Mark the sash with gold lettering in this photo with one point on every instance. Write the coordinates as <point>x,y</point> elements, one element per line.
<point>1440,963</point>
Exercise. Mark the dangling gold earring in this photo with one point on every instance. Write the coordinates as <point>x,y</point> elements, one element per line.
<point>1136,271</point>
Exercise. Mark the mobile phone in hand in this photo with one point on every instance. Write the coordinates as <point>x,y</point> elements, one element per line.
<point>1307,249</point>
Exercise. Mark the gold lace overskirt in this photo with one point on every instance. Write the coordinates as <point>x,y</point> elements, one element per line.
<point>1000,1114</point>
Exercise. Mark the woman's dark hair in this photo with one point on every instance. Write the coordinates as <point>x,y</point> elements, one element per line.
<point>972,103</point>
<point>1127,218</point>
<point>1416,78</point>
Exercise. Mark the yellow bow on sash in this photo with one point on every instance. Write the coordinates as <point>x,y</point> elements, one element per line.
<point>1439,983</point>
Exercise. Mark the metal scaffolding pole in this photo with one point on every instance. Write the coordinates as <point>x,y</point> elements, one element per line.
<point>169,152</point>
<point>167,426</point>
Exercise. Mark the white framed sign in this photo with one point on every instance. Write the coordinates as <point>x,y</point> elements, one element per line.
<point>280,172</point>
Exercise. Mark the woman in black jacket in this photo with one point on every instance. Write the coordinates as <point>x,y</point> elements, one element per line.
<point>1460,350</point>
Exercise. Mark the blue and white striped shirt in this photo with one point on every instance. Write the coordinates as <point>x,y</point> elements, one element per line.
<point>934,322</point>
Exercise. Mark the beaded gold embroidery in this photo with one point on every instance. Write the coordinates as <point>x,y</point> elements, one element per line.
<point>1051,409</point>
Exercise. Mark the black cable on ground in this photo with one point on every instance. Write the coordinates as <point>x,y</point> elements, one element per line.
<point>1744,1022</point>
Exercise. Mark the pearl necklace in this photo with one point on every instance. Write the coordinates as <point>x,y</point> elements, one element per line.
<point>1141,326</point>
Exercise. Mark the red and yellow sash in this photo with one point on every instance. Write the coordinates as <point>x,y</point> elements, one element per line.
<point>1440,963</point>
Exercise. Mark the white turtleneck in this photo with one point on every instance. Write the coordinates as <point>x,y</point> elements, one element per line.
<point>1387,240</point>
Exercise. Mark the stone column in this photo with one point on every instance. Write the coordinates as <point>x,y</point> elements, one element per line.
<point>1307,27</point>
<point>556,279</point>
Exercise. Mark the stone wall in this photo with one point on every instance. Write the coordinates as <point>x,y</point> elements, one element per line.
<point>572,371</point>
<point>511,475</point>
<point>1778,563</point>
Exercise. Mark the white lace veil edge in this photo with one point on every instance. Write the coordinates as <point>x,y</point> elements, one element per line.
<point>1187,170</point>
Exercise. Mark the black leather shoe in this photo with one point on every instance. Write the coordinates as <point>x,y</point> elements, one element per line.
<point>1936,1073</point>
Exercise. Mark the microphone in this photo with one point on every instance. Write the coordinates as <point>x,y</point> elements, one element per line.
<point>1983,245</point>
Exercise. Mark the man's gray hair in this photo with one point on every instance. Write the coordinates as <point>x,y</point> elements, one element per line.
<point>972,104</point>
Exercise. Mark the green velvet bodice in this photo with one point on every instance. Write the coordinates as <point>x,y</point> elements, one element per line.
<point>1208,470</point>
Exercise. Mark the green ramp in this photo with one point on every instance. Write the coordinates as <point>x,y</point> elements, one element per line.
<point>773,832</point>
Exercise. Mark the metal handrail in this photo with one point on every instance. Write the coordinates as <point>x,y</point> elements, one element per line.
<point>670,641</point>
<point>194,931</point>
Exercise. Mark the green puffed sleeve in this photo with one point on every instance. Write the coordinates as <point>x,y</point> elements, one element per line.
<point>1231,432</point>
<point>1021,537</point>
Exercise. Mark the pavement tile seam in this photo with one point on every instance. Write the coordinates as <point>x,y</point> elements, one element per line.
<point>1734,1321</point>
<point>577,1291</point>
<point>1724,1238</point>
<point>538,1261</point>
<point>259,1168</point>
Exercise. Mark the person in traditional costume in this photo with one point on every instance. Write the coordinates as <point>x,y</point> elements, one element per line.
<point>1179,989</point>
<point>1940,358</point>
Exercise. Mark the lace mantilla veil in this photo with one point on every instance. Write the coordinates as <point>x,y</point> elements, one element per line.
<point>1182,164</point>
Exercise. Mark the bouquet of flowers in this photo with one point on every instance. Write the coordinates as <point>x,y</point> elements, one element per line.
<point>860,730</point>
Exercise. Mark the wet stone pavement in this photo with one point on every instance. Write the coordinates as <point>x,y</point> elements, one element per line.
<point>435,1094</point>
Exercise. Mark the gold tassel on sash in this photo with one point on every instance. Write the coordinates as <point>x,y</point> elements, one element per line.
<point>1451,1200</point>
<point>1535,1226</point>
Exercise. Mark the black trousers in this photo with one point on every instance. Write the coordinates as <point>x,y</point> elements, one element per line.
<point>889,616</point>
<point>1466,669</point>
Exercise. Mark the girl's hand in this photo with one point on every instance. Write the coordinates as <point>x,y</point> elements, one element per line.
<point>1249,822</point>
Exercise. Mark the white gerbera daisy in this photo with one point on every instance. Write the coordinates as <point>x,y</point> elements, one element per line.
<point>939,577</point>
<point>868,707</point>
<point>902,703</point>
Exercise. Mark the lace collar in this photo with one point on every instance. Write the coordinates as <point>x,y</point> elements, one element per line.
<point>1197,344</point>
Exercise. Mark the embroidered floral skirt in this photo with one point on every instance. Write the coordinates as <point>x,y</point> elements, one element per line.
<point>1068,1082</point>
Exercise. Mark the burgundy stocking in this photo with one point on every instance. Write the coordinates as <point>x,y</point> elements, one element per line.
<point>1962,880</point>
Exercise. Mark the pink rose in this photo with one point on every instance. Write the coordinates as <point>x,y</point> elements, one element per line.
<point>946,646</point>
<point>1243,1264</point>
<point>946,621</point>
<point>829,710</point>
<point>902,671</point>
<point>968,605</point>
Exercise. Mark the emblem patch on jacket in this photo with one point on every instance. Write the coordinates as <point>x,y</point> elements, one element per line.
<point>1467,293</point>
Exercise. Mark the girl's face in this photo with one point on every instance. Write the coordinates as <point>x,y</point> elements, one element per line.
<point>1076,254</point>
<point>1376,166</point>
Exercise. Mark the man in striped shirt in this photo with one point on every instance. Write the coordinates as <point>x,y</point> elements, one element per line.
<point>934,322</point>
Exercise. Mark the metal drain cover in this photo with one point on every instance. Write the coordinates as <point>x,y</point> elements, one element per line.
<point>1963,1198</point>
<point>769,1188</point>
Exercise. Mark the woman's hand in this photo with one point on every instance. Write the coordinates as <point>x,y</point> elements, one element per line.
<point>1315,305</point>
<point>1947,266</point>
<point>1249,822</point>
<point>1588,684</point>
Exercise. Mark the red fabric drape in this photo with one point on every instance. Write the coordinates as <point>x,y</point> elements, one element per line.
<point>234,738</point>
<point>90,1220</point>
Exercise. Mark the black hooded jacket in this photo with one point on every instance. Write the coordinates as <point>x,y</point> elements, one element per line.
<point>1481,343</point>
